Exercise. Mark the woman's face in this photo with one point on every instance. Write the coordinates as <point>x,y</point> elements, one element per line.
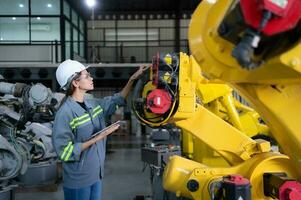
<point>85,81</point>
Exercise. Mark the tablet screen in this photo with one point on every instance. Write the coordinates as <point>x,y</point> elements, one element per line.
<point>106,128</point>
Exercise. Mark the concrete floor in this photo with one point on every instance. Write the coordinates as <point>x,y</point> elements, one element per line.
<point>123,179</point>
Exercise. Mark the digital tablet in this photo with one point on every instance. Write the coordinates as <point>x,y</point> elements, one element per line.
<point>103,130</point>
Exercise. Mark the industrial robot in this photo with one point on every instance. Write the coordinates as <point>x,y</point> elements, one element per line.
<point>254,47</point>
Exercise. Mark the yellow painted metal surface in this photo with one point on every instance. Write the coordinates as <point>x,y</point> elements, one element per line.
<point>214,54</point>
<point>217,97</point>
<point>204,154</point>
<point>180,170</point>
<point>187,141</point>
<point>228,141</point>
<point>280,107</point>
<point>187,96</point>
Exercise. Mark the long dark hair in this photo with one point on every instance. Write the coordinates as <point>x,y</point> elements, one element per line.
<point>70,89</point>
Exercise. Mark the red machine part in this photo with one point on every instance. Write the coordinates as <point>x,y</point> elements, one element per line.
<point>287,14</point>
<point>158,101</point>
<point>280,186</point>
<point>236,179</point>
<point>290,190</point>
<point>278,7</point>
<point>236,187</point>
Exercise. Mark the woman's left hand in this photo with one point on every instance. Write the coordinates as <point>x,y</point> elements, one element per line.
<point>139,72</point>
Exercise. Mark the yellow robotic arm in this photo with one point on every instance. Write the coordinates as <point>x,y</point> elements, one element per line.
<point>254,46</point>
<point>262,169</point>
<point>262,61</point>
<point>273,88</point>
<point>222,38</point>
<point>170,94</point>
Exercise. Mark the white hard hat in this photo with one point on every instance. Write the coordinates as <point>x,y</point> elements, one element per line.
<point>66,72</point>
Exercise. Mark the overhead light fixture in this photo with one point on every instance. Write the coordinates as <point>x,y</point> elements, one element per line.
<point>38,18</point>
<point>1,38</point>
<point>49,5</point>
<point>91,3</point>
<point>14,18</point>
<point>21,5</point>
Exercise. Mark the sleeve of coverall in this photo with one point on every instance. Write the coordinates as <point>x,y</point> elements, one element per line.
<point>63,139</point>
<point>111,103</point>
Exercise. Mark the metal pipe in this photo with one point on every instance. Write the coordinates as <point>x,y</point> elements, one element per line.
<point>7,88</point>
<point>227,102</point>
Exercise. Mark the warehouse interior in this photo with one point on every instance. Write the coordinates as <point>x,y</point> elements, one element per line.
<point>214,116</point>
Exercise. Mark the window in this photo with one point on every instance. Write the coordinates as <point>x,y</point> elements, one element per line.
<point>67,39</point>
<point>14,29</point>
<point>75,40</point>
<point>46,29</point>
<point>82,45</point>
<point>81,25</point>
<point>45,7</point>
<point>131,37</point>
<point>110,37</point>
<point>67,10</point>
<point>74,18</point>
<point>14,7</point>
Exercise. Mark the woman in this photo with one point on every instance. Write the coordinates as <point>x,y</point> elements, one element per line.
<point>76,120</point>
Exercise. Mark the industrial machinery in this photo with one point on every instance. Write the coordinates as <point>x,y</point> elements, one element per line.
<point>26,152</point>
<point>165,142</point>
<point>254,46</point>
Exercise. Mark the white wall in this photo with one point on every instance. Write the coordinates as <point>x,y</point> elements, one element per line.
<point>26,53</point>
